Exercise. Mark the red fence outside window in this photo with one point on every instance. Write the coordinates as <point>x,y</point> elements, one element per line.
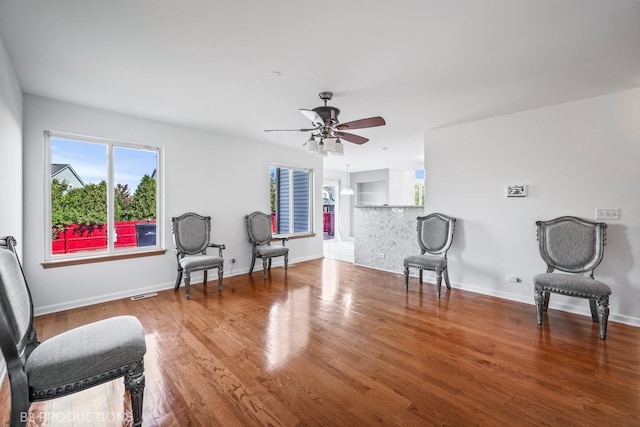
<point>82,238</point>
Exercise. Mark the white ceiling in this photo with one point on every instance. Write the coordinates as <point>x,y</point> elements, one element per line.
<point>421,64</point>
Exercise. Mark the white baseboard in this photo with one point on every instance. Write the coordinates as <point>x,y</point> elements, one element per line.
<point>585,311</point>
<point>614,317</point>
<point>68,305</point>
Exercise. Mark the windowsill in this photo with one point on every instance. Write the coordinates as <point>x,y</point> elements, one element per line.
<point>101,258</point>
<point>293,236</point>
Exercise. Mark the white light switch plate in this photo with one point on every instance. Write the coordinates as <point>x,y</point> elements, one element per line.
<point>603,213</point>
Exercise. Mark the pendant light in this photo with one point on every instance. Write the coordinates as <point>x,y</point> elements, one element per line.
<point>347,191</point>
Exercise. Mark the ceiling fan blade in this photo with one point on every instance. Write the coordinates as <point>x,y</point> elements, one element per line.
<point>362,123</point>
<point>356,139</point>
<point>313,117</point>
<point>290,130</point>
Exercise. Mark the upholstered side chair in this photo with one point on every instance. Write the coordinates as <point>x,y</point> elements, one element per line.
<point>575,246</point>
<point>435,235</point>
<point>69,362</point>
<point>191,235</point>
<point>260,237</point>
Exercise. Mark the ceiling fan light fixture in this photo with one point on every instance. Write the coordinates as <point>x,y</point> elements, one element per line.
<point>338,149</point>
<point>329,145</point>
<point>321,152</point>
<point>329,130</point>
<point>312,145</point>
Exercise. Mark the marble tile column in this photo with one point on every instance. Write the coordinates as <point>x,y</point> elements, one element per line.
<point>389,231</point>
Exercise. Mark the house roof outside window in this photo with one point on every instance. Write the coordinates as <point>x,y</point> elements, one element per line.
<point>65,172</point>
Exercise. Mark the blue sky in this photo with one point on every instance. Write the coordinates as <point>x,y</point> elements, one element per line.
<point>89,160</point>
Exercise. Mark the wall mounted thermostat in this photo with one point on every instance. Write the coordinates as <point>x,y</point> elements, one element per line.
<point>516,191</point>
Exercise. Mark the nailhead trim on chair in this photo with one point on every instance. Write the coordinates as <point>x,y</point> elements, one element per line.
<point>570,293</point>
<point>72,387</point>
<point>420,266</point>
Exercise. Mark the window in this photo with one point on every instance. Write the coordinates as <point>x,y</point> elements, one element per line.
<point>83,216</point>
<point>419,187</point>
<point>291,200</point>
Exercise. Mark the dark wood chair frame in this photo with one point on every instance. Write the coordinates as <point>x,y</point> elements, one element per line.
<point>572,245</point>
<point>195,244</point>
<point>433,248</point>
<point>260,239</point>
<point>16,350</point>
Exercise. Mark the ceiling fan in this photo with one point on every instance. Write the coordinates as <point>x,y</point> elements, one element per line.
<point>327,131</point>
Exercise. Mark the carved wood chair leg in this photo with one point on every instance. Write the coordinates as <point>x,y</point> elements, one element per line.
<point>286,263</point>
<point>178,280</point>
<point>134,383</point>
<point>438,283</point>
<point>187,283</point>
<point>546,300</point>
<point>205,277</point>
<point>420,270</point>
<point>406,278</point>
<point>603,315</point>
<point>265,264</point>
<point>220,275</point>
<point>594,311</point>
<point>253,263</point>
<point>539,299</point>
<point>446,278</point>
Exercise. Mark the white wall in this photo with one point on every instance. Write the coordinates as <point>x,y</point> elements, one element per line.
<point>10,157</point>
<point>204,172</point>
<point>402,187</point>
<point>10,150</point>
<point>574,157</point>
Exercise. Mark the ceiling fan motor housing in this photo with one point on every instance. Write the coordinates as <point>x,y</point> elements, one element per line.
<point>328,114</point>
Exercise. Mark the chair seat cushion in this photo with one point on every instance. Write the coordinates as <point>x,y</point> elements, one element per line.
<point>200,262</point>
<point>271,251</point>
<point>428,262</point>
<point>85,352</point>
<point>570,284</point>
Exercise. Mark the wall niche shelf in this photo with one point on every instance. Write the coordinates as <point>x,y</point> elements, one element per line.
<point>371,193</point>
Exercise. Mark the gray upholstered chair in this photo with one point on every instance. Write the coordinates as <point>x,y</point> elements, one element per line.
<point>191,235</point>
<point>435,234</point>
<point>66,363</point>
<point>260,236</point>
<point>575,246</point>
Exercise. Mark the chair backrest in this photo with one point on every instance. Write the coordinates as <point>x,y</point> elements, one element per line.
<point>571,244</point>
<point>435,233</point>
<point>17,335</point>
<point>191,233</point>
<point>259,228</point>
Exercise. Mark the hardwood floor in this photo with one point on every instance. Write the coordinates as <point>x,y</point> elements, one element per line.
<point>338,345</point>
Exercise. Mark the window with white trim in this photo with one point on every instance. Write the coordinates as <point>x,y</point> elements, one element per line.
<point>291,200</point>
<point>83,217</point>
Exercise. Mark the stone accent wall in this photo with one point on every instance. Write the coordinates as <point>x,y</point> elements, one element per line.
<point>388,231</point>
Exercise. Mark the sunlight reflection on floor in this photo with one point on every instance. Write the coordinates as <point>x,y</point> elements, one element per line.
<point>341,250</point>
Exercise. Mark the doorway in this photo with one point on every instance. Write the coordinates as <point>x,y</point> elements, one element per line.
<point>336,246</point>
<point>328,211</point>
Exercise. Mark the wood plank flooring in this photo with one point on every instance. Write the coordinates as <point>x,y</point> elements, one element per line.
<point>334,344</point>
